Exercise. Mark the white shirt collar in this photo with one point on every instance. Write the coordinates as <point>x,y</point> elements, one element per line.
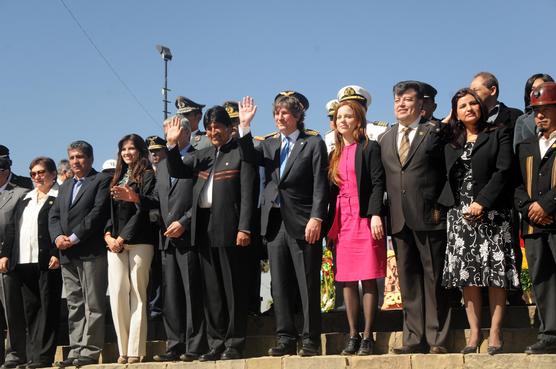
<point>33,194</point>
<point>551,137</point>
<point>413,125</point>
<point>292,136</point>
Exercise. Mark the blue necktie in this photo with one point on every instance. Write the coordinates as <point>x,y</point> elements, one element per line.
<point>76,187</point>
<point>284,153</point>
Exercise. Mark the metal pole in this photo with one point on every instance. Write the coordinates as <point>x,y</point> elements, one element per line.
<point>165,89</point>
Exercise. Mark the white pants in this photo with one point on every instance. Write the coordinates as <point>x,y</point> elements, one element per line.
<point>128,277</point>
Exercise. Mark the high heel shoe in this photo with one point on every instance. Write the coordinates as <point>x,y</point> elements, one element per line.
<point>494,350</point>
<point>473,349</point>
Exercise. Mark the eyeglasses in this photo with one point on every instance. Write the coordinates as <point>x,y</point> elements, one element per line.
<point>37,173</point>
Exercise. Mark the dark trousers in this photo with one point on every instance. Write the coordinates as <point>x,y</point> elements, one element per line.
<point>41,291</point>
<point>154,289</point>
<point>16,343</point>
<point>420,260</point>
<point>183,315</point>
<point>224,292</point>
<point>540,250</point>
<point>294,264</point>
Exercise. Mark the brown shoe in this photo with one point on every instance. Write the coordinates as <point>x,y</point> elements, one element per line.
<point>133,359</point>
<point>438,350</point>
<point>122,360</point>
<point>408,349</point>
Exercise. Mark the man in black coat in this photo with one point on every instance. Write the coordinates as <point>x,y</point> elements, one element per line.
<point>412,155</point>
<point>295,200</point>
<point>225,196</point>
<point>535,198</point>
<point>76,224</point>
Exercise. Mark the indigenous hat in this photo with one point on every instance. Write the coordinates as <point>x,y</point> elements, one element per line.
<point>155,143</point>
<point>300,97</point>
<point>331,107</point>
<point>354,92</point>
<point>232,108</point>
<point>185,105</point>
<point>429,92</point>
<point>544,94</point>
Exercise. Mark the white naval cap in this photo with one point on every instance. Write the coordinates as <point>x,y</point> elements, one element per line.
<point>354,92</point>
<point>331,106</point>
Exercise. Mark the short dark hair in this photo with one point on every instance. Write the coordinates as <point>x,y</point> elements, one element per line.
<point>294,106</point>
<point>63,166</point>
<point>457,129</point>
<point>402,87</point>
<point>82,146</point>
<point>529,86</point>
<point>217,114</point>
<point>490,81</point>
<point>46,162</point>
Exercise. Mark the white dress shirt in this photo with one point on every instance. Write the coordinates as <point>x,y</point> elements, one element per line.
<point>29,231</point>
<point>545,143</point>
<point>412,133</point>
<point>205,198</point>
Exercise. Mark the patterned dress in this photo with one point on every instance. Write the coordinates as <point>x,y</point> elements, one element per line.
<point>478,253</point>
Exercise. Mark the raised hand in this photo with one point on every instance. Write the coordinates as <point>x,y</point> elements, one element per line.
<point>173,130</point>
<point>247,110</point>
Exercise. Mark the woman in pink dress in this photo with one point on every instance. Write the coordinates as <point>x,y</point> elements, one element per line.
<point>357,179</point>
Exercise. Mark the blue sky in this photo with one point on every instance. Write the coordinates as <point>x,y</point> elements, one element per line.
<point>55,88</point>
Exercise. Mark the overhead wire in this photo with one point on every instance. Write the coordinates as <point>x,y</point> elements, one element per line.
<point>107,62</point>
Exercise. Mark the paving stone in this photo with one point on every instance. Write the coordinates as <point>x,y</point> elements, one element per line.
<point>445,361</point>
<point>380,362</point>
<point>500,361</point>
<point>264,363</point>
<point>230,364</point>
<point>542,361</point>
<point>315,362</point>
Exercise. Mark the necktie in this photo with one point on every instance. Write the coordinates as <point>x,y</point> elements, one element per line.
<point>76,187</point>
<point>404,145</point>
<point>284,153</point>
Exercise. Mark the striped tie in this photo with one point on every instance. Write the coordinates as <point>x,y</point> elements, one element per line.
<point>404,145</point>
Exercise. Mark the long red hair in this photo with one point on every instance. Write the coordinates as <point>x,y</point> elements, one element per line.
<point>358,132</point>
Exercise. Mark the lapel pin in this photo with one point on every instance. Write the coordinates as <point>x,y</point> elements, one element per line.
<point>421,133</point>
<point>226,163</point>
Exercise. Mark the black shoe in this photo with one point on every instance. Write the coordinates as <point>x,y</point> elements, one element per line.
<point>352,345</point>
<point>366,347</point>
<point>212,355</point>
<point>168,356</point>
<point>64,363</point>
<point>189,357</point>
<point>541,347</point>
<point>473,349</point>
<point>84,360</point>
<point>282,349</point>
<point>230,354</point>
<point>308,350</point>
<point>494,350</point>
<point>11,364</point>
<point>32,365</point>
<point>408,349</point>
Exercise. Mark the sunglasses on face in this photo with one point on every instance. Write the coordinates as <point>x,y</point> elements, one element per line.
<point>37,173</point>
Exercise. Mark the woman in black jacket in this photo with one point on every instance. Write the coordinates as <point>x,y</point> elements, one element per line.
<point>130,238</point>
<point>479,195</point>
<point>35,265</point>
<point>357,179</point>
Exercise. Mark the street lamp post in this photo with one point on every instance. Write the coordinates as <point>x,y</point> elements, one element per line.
<point>166,54</point>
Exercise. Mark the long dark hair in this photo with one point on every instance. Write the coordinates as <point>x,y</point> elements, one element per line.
<point>458,134</point>
<point>529,87</point>
<point>139,167</point>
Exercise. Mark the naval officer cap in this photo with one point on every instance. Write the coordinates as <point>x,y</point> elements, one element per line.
<point>331,107</point>
<point>155,143</point>
<point>232,108</point>
<point>297,95</point>
<point>185,105</point>
<point>357,93</point>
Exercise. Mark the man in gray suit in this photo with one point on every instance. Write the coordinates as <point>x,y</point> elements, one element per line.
<point>10,194</point>
<point>412,155</point>
<point>76,225</point>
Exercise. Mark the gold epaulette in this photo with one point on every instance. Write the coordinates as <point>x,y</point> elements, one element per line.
<point>267,136</point>
<point>311,132</point>
<point>380,123</point>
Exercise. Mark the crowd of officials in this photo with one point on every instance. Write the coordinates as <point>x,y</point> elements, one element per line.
<point>455,196</point>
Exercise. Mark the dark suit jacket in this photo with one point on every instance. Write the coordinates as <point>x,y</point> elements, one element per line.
<point>303,187</point>
<point>47,248</point>
<point>491,162</point>
<point>234,191</point>
<point>506,118</point>
<point>86,217</point>
<point>20,181</point>
<point>370,182</point>
<point>413,188</point>
<point>537,182</point>
<point>132,222</point>
<point>8,203</point>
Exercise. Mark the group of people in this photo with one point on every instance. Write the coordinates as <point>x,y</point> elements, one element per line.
<point>450,194</point>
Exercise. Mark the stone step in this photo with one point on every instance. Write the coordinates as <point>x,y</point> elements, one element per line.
<point>420,361</point>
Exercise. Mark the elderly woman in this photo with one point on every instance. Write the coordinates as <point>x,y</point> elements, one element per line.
<point>479,196</point>
<point>357,178</point>
<point>34,264</point>
<point>130,238</point>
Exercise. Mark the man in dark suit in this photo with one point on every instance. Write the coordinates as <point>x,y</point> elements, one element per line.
<point>535,198</point>
<point>412,155</point>
<point>76,224</point>
<point>182,282</point>
<point>294,205</point>
<point>10,193</point>
<point>224,201</point>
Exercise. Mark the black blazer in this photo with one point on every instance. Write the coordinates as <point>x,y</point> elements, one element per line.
<point>234,190</point>
<point>303,187</point>
<point>370,182</point>
<point>492,165</point>
<point>506,118</point>
<point>132,222</point>
<point>47,248</point>
<point>86,217</point>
